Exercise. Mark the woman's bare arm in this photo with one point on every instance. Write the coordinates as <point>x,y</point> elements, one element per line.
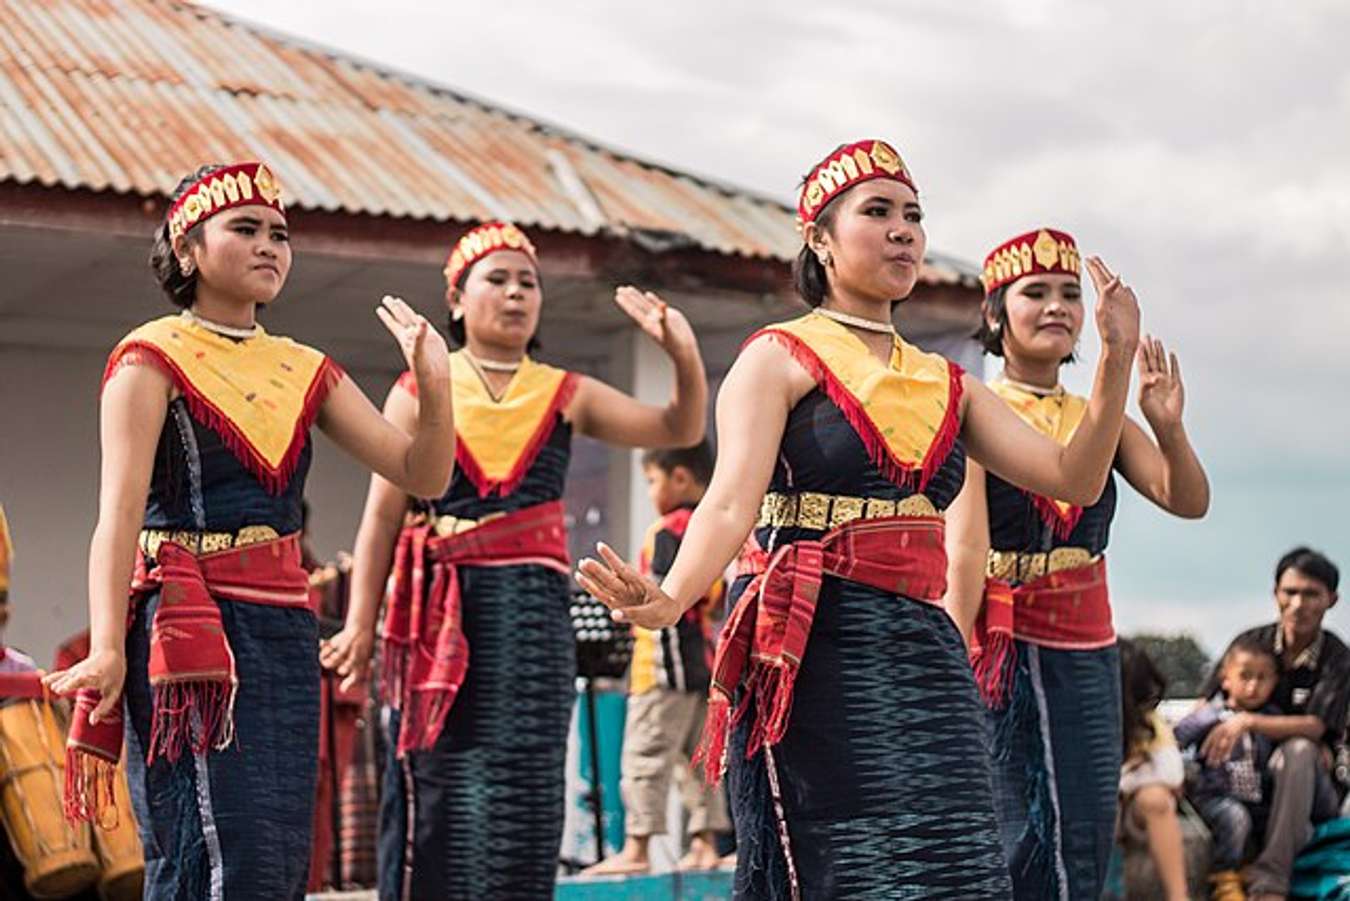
<point>967,550</point>
<point>348,653</point>
<point>132,411</point>
<point>752,410</point>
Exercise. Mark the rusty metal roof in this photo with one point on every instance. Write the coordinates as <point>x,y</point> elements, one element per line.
<point>129,95</point>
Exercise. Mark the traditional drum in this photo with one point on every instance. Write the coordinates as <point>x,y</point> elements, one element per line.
<point>57,857</point>
<point>119,849</point>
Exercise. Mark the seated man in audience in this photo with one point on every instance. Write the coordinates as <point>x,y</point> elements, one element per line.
<point>1312,691</point>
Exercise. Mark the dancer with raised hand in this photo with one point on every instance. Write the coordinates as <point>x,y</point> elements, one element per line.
<point>1027,574</point>
<point>198,603</point>
<point>478,654</point>
<point>842,701</point>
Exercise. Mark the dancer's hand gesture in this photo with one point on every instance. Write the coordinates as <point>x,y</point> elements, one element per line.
<point>104,671</point>
<point>621,588</point>
<point>423,347</point>
<point>348,654</point>
<point>1117,309</point>
<point>665,324</point>
<point>1162,396</point>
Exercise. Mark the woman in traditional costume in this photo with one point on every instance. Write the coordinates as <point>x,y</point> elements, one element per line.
<point>478,657</point>
<point>857,749</point>
<point>205,433</point>
<point>1028,571</point>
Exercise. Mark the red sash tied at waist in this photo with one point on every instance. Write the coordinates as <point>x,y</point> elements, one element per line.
<point>426,654</point>
<point>765,637</point>
<point>1066,610</point>
<point>191,668</point>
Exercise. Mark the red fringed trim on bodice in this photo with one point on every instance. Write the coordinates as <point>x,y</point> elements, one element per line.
<point>906,475</point>
<point>273,480</point>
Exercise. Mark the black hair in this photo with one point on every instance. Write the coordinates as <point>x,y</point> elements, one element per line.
<point>454,328</point>
<point>1142,686</point>
<point>179,288</point>
<point>991,339</point>
<point>809,277</point>
<point>1312,564</point>
<point>1247,644</point>
<point>698,459</point>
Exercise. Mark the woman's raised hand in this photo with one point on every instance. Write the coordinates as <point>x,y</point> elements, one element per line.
<point>665,324</point>
<point>1117,309</point>
<point>1162,396</point>
<point>632,598</point>
<point>423,347</point>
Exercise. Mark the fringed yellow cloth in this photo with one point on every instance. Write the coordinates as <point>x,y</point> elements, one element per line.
<point>260,394</point>
<point>498,439</point>
<point>908,414</point>
<point>1056,416</point>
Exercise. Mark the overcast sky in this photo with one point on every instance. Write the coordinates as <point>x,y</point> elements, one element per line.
<point>1200,147</point>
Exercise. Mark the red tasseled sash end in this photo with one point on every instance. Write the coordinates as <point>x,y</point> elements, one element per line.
<point>89,788</point>
<point>993,662</point>
<point>993,653</point>
<point>771,686</point>
<point>92,752</point>
<point>192,716</point>
<point>712,744</point>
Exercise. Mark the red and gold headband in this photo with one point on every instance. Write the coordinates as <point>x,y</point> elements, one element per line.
<point>477,243</point>
<point>850,165</point>
<point>1043,251</point>
<point>242,184</point>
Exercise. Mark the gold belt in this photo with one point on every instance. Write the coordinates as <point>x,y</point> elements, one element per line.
<point>1015,566</point>
<point>445,526</point>
<point>812,510</point>
<point>200,543</point>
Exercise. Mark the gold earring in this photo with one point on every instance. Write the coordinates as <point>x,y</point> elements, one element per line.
<point>186,267</point>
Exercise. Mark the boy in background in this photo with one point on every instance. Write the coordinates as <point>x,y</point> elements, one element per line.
<point>1229,794</point>
<point>668,685</point>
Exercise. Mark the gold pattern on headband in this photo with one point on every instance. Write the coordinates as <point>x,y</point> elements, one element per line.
<point>1046,249</point>
<point>480,242</point>
<point>848,166</point>
<point>221,190</point>
<point>267,183</point>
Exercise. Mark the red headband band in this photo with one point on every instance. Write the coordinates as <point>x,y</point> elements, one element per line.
<point>850,165</point>
<point>242,184</point>
<point>1044,251</point>
<point>477,243</point>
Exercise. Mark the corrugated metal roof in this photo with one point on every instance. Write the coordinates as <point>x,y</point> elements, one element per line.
<point>129,95</point>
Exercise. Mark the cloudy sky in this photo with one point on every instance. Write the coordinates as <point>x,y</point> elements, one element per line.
<point>1200,147</point>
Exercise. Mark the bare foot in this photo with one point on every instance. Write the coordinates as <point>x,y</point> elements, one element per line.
<point>728,862</point>
<point>702,855</point>
<point>621,864</point>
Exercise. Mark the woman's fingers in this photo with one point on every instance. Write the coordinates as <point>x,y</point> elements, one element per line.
<point>389,322</point>
<point>646,615</point>
<point>599,592</point>
<point>598,578</point>
<point>631,302</point>
<point>106,704</point>
<point>399,309</point>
